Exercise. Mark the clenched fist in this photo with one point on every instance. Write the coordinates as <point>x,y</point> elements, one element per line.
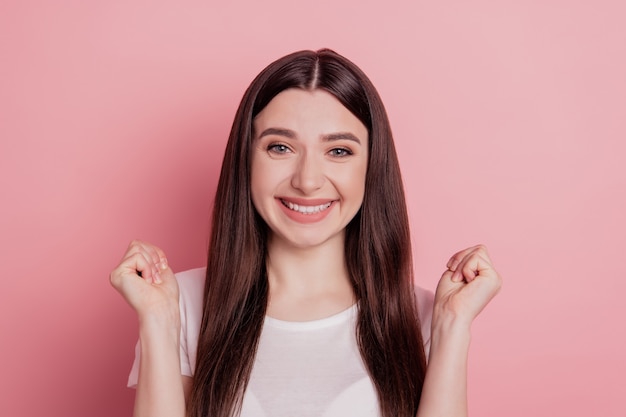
<point>145,280</point>
<point>467,286</point>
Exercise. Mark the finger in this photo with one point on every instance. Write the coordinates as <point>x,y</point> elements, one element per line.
<point>158,256</point>
<point>135,266</point>
<point>471,267</point>
<point>445,282</point>
<point>163,264</point>
<point>446,287</point>
<point>141,264</point>
<point>458,257</point>
<point>151,252</point>
<point>140,246</point>
<point>156,253</point>
<point>482,251</point>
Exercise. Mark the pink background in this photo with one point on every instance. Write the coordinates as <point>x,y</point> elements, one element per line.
<point>510,121</point>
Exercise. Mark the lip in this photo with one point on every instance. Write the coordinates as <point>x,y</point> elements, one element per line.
<point>302,217</point>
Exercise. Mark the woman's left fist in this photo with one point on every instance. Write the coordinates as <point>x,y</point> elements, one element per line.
<point>468,284</point>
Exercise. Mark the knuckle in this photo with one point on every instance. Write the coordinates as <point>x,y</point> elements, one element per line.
<point>130,257</point>
<point>114,278</point>
<point>153,253</point>
<point>135,243</point>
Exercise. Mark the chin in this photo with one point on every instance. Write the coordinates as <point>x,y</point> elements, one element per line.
<point>308,241</point>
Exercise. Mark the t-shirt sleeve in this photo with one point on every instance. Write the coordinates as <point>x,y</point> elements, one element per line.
<point>425,301</point>
<point>134,370</point>
<point>191,286</point>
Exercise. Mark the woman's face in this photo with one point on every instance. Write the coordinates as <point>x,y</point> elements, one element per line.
<point>309,160</point>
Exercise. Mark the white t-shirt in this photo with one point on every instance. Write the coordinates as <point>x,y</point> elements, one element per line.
<point>308,369</point>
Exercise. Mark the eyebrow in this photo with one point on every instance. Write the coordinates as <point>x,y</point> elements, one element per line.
<point>278,132</point>
<point>327,138</point>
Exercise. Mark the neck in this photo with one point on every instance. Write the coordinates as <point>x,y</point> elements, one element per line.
<point>308,283</point>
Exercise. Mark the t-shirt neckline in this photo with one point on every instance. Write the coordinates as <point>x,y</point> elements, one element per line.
<point>333,320</point>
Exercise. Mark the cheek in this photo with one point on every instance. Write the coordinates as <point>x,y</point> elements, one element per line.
<point>263,182</point>
<point>257,188</point>
<point>352,184</point>
<point>357,178</point>
<point>256,182</point>
<point>360,182</point>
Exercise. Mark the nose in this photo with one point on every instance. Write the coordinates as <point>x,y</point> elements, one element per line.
<point>308,175</point>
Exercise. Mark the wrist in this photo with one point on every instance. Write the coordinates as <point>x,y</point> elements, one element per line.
<point>160,321</point>
<point>450,328</point>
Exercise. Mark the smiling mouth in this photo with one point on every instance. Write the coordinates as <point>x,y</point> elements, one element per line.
<point>306,209</point>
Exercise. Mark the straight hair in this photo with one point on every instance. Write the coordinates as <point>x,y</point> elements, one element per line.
<point>377,252</point>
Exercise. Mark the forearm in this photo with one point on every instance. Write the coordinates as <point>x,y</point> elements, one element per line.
<point>159,388</point>
<point>465,288</point>
<point>444,393</point>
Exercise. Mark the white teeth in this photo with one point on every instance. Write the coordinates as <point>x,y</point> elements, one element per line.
<point>306,209</point>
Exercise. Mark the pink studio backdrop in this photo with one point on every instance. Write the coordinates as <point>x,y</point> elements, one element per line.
<point>510,121</point>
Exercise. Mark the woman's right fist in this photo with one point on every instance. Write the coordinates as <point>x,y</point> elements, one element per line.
<point>145,280</point>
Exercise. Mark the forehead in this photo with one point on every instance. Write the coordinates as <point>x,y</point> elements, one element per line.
<point>309,111</point>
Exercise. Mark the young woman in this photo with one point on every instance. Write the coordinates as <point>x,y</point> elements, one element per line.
<point>307,305</point>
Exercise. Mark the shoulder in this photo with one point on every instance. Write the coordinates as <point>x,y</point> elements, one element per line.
<point>191,286</point>
<point>191,279</point>
<point>425,299</point>
<point>191,300</point>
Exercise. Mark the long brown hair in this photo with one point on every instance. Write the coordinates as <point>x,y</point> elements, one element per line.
<point>377,252</point>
